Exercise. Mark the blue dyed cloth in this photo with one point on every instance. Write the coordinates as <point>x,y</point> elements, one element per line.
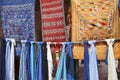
<point>28,60</point>
<point>70,72</point>
<point>17,17</point>
<point>86,61</point>
<point>39,62</point>
<point>2,59</point>
<point>93,66</point>
<point>61,71</point>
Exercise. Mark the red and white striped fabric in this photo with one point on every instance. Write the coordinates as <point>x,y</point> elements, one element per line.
<point>53,20</point>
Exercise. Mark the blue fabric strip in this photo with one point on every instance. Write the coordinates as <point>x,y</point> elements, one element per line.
<point>93,66</point>
<point>7,60</point>
<point>28,60</point>
<point>61,71</point>
<point>70,73</point>
<point>2,59</point>
<point>33,61</point>
<point>86,61</point>
<point>22,71</point>
<point>39,62</point>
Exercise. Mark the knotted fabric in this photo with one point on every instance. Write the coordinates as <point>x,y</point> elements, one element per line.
<point>22,71</point>
<point>50,61</point>
<point>86,61</point>
<point>61,71</point>
<point>70,73</point>
<point>7,60</point>
<point>93,67</point>
<point>112,74</point>
<point>39,62</point>
<point>33,61</point>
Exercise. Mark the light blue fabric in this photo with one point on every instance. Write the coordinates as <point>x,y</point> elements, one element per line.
<point>33,61</point>
<point>7,58</point>
<point>61,71</point>
<point>22,71</point>
<point>39,62</point>
<point>70,73</point>
<point>93,66</point>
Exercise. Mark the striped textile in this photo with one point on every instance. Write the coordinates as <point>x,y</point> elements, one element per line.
<point>53,21</point>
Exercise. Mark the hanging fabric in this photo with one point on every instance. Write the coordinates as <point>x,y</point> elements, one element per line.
<point>61,71</point>
<point>44,62</point>
<point>93,66</point>
<point>53,20</point>
<point>2,59</point>
<point>33,61</point>
<point>18,20</point>
<point>7,60</point>
<point>39,62</point>
<point>70,73</point>
<point>106,60</point>
<point>10,71</point>
<point>50,61</point>
<point>12,60</point>
<point>28,46</point>
<point>86,61</point>
<point>112,74</point>
<point>22,69</point>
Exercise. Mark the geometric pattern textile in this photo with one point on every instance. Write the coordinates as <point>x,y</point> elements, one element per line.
<point>18,21</point>
<point>93,19</point>
<point>53,20</point>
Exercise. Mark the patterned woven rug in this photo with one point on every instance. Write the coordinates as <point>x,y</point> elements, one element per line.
<point>18,22</point>
<point>53,21</point>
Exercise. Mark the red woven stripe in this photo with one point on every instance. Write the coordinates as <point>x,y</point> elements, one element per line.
<point>53,27</point>
<point>52,19</point>
<point>53,40</point>
<point>52,6</point>
<point>52,12</point>
<point>54,34</point>
<point>47,1</point>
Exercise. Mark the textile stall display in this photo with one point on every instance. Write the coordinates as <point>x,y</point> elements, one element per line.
<point>94,20</point>
<point>31,61</point>
<point>59,40</point>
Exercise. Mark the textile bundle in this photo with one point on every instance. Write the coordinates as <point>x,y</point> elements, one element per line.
<point>53,22</point>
